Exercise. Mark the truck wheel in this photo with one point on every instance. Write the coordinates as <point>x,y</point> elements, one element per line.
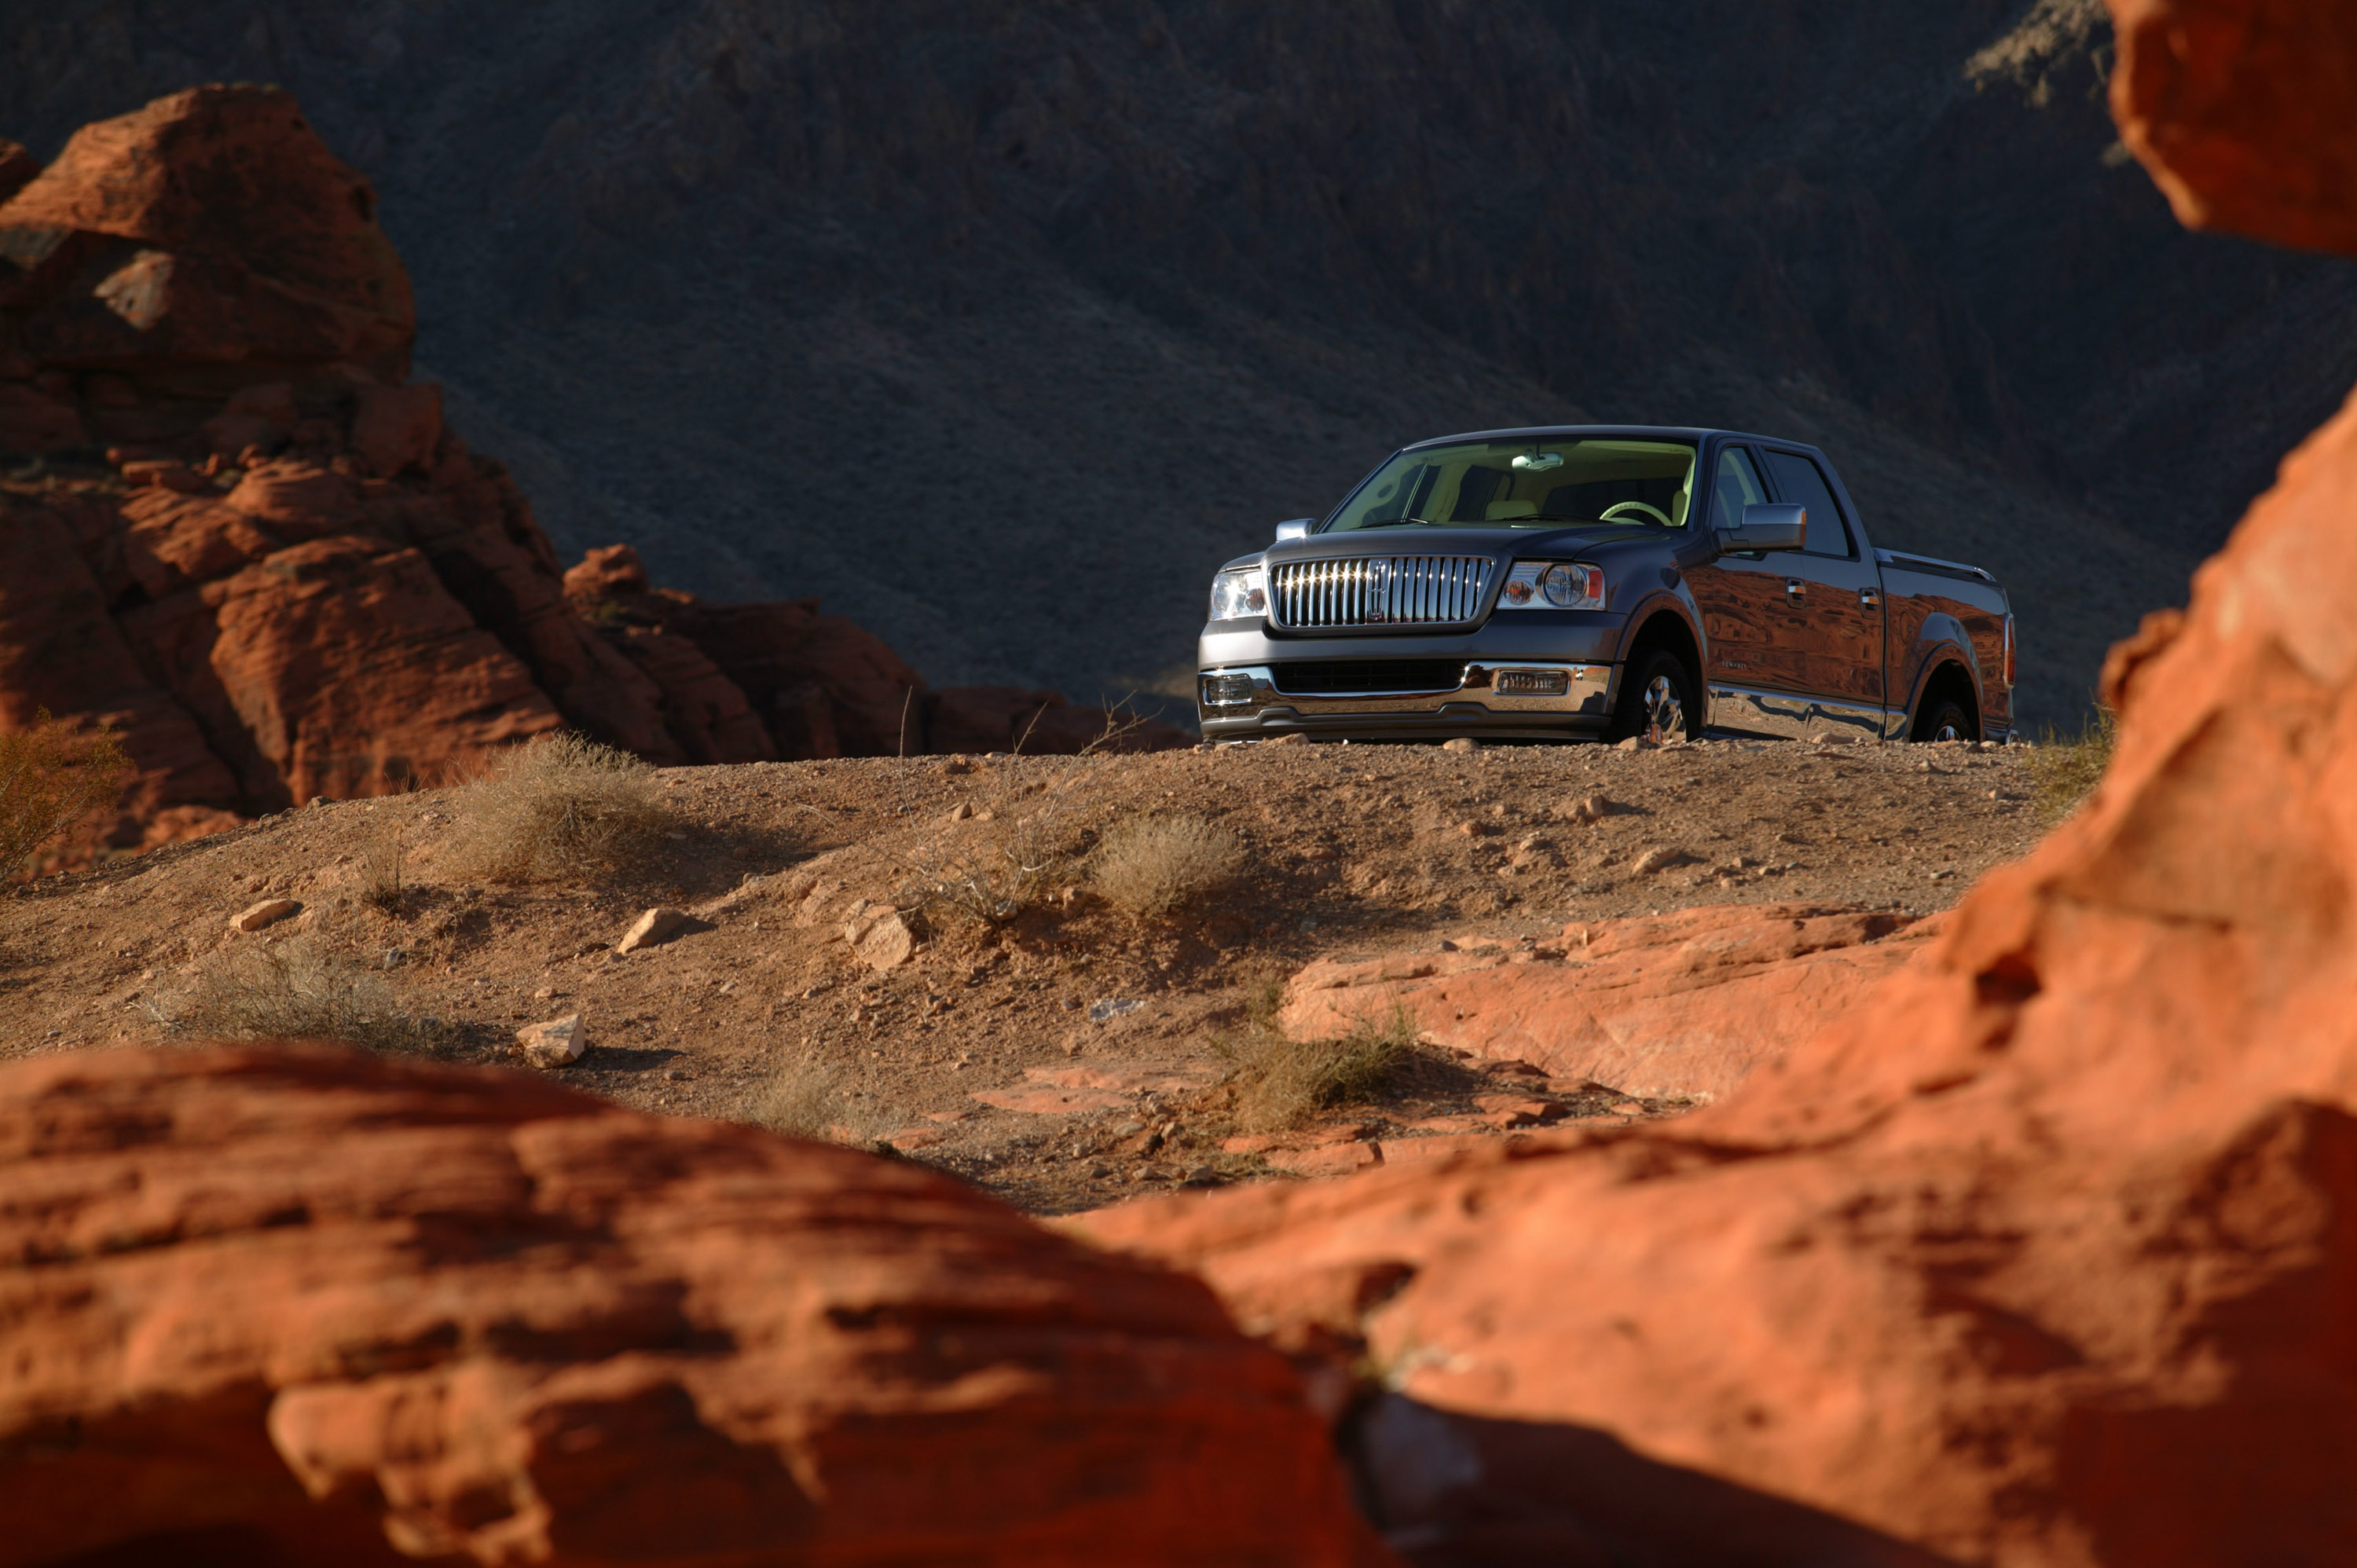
<point>1658,700</point>
<point>1946,720</point>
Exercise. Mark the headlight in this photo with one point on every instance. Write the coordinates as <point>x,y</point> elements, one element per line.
<point>1236,595</point>
<point>1552,585</point>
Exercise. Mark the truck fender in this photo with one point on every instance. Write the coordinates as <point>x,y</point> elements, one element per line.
<point>1940,639</point>
<point>1677,602</point>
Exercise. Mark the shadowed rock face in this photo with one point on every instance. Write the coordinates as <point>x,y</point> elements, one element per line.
<point>302,1306</point>
<point>2043,1254</point>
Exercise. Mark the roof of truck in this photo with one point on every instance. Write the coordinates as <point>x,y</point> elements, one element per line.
<point>1666,432</point>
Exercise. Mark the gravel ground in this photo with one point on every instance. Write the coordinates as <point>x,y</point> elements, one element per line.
<point>1350,850</point>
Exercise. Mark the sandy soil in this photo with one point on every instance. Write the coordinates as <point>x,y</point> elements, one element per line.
<point>1353,851</point>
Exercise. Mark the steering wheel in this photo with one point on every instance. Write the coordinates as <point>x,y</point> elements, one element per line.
<point>1612,511</point>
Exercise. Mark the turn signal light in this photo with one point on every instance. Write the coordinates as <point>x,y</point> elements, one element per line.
<point>2008,650</point>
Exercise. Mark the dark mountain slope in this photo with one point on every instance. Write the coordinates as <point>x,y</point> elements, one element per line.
<point>1000,324</point>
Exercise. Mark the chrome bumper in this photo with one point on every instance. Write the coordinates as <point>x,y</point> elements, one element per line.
<point>1473,706</point>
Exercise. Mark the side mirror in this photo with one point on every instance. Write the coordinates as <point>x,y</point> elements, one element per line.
<point>1295,528</point>
<point>1767,525</point>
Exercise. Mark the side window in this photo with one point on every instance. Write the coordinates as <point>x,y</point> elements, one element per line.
<point>1733,487</point>
<point>1797,479</point>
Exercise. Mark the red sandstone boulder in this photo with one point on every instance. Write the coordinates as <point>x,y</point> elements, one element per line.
<point>214,227</point>
<point>414,691</point>
<point>60,651</point>
<point>313,1307</point>
<point>1683,1005</point>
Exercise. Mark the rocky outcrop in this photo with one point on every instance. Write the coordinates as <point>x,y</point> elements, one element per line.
<point>817,686</point>
<point>251,548</point>
<point>316,1307</point>
<point>2044,1255</point>
<point>1678,1006</point>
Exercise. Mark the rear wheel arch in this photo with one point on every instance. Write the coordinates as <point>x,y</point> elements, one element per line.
<point>1949,682</point>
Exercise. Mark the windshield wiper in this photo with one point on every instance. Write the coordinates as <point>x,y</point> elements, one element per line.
<point>1401,522</point>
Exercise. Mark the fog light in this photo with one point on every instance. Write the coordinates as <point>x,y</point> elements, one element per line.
<point>1227,691</point>
<point>1531,682</point>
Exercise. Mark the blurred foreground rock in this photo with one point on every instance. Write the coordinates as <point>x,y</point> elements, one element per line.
<point>302,1306</point>
<point>231,533</point>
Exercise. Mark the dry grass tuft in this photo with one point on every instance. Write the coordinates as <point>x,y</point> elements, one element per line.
<point>52,775</point>
<point>2064,772</point>
<point>381,867</point>
<point>1151,865</point>
<point>1020,852</point>
<point>1282,1082</point>
<point>805,1098</point>
<point>303,990</point>
<point>562,808</point>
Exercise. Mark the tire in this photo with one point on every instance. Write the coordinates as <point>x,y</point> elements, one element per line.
<point>1946,719</point>
<point>1658,696</point>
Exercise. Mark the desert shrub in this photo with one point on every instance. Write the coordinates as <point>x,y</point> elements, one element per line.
<point>52,775</point>
<point>302,990</point>
<point>381,867</point>
<point>1014,854</point>
<point>1023,855</point>
<point>2065,769</point>
<point>562,807</point>
<point>805,1097</point>
<point>1281,1081</point>
<point>1150,865</point>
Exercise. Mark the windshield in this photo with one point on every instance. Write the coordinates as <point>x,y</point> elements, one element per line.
<point>1527,484</point>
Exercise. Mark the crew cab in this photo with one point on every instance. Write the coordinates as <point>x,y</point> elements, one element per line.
<point>1595,582</point>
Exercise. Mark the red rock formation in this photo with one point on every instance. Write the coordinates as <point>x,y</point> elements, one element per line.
<point>1683,1005</point>
<point>289,576</point>
<point>211,229</point>
<point>2240,108</point>
<point>818,685</point>
<point>2047,1255</point>
<point>316,1307</point>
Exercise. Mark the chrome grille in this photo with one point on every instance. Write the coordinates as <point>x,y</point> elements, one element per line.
<point>1382,590</point>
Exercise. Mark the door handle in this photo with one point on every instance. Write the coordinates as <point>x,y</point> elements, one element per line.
<point>1868,598</point>
<point>1794,588</point>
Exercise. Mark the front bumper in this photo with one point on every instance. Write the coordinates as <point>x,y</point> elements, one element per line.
<point>1474,706</point>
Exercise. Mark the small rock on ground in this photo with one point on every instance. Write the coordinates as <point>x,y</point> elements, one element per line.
<point>560,1042</point>
<point>269,912</point>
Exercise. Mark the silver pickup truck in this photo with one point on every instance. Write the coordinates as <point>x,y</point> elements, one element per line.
<point>1600,582</point>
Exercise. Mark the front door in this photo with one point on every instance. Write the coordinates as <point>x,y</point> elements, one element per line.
<point>1836,622</point>
<point>1756,680</point>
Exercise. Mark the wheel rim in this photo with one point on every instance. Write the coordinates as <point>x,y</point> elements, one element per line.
<point>1949,731</point>
<point>1665,710</point>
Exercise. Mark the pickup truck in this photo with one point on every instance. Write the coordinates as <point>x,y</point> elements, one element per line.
<point>1597,581</point>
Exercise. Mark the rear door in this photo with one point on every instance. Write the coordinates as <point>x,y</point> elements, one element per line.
<point>1834,595</point>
